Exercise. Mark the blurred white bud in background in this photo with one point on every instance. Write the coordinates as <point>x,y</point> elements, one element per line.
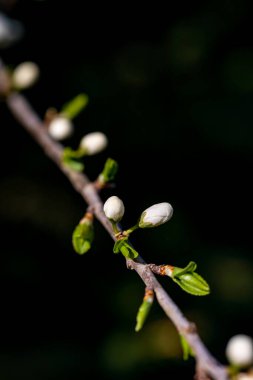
<point>25,75</point>
<point>94,143</point>
<point>10,31</point>
<point>60,128</point>
<point>239,350</point>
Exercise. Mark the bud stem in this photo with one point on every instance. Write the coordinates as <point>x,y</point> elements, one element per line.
<point>115,227</point>
<point>130,230</point>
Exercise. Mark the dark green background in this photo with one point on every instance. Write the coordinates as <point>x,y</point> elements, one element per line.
<point>173,91</point>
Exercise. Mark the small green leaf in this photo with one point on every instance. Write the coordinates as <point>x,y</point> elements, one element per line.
<point>109,171</point>
<point>82,237</point>
<point>191,267</point>
<point>71,153</point>
<point>71,158</point>
<point>125,252</point>
<point>118,245</point>
<point>125,248</point>
<point>143,313</point>
<point>75,106</point>
<point>81,246</point>
<point>187,350</point>
<point>74,164</point>
<point>132,253</point>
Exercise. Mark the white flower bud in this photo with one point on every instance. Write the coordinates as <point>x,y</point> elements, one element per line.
<point>239,350</point>
<point>114,208</point>
<point>245,376</point>
<point>156,215</point>
<point>60,128</point>
<point>25,75</point>
<point>94,143</point>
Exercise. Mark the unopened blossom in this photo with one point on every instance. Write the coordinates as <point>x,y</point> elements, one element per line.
<point>93,143</point>
<point>239,350</point>
<point>25,75</point>
<point>60,128</point>
<point>114,208</point>
<point>156,215</point>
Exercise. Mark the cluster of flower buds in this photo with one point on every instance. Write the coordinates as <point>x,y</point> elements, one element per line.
<point>153,216</point>
<point>60,127</point>
<point>90,144</point>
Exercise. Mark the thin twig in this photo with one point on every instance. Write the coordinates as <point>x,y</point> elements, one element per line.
<point>27,117</point>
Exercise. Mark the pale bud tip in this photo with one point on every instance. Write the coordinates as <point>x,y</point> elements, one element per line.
<point>94,143</point>
<point>239,350</point>
<point>60,128</point>
<point>114,208</point>
<point>25,75</point>
<point>156,215</point>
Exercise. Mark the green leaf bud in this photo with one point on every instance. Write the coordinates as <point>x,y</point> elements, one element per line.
<point>83,234</point>
<point>189,280</point>
<point>109,171</point>
<point>75,106</point>
<point>144,309</point>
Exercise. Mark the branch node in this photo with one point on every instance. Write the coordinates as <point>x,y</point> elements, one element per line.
<point>129,264</point>
<point>191,328</point>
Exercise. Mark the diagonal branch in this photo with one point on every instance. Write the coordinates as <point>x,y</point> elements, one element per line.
<point>31,122</point>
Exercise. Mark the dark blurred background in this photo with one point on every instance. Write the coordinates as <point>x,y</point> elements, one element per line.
<point>173,91</point>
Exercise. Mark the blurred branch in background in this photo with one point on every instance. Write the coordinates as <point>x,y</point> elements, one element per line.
<point>10,31</point>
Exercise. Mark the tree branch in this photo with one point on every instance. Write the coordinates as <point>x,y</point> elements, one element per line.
<point>31,122</point>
